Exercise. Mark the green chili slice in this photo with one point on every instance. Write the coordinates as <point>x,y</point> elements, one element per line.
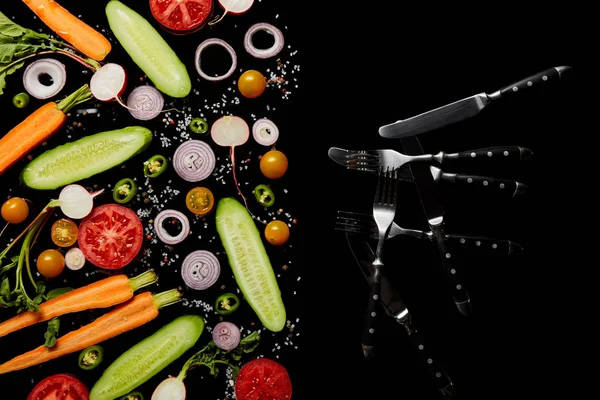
<point>199,125</point>
<point>124,190</point>
<point>132,396</point>
<point>227,303</point>
<point>264,195</point>
<point>21,100</point>
<point>91,357</point>
<point>155,166</point>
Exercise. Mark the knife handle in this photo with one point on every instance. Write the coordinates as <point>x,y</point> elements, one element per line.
<point>548,76</point>
<point>369,327</point>
<point>453,274</point>
<point>504,186</point>
<point>507,153</point>
<point>435,369</point>
<point>484,246</point>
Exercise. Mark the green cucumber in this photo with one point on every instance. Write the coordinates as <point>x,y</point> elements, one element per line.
<point>250,263</point>
<point>148,357</point>
<point>148,49</point>
<point>85,157</point>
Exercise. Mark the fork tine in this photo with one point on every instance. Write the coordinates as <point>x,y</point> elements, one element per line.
<point>378,188</point>
<point>353,214</point>
<point>394,184</point>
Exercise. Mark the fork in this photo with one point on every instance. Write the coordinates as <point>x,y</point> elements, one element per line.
<point>384,211</point>
<point>363,224</point>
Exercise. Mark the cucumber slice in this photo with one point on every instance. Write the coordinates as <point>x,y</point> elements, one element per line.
<point>148,49</point>
<point>250,263</point>
<point>148,357</point>
<point>85,157</point>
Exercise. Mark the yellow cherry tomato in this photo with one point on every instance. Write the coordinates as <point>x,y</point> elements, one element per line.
<point>277,232</point>
<point>252,84</point>
<point>200,200</point>
<point>273,164</point>
<point>15,210</point>
<point>64,232</point>
<point>50,263</point>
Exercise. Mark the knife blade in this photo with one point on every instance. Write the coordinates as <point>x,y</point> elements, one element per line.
<point>467,107</point>
<point>432,205</point>
<point>394,306</point>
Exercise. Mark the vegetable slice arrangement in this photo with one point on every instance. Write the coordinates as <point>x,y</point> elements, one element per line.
<point>116,149</point>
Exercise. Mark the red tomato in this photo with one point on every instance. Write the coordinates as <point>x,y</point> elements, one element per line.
<point>110,236</point>
<point>181,16</point>
<point>263,379</point>
<point>59,387</point>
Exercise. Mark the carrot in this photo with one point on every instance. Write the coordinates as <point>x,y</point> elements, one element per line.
<point>73,30</point>
<point>100,294</point>
<point>38,127</point>
<point>136,312</point>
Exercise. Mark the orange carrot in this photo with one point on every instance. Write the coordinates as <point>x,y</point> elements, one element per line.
<point>136,312</point>
<point>104,293</point>
<point>66,25</point>
<point>38,127</point>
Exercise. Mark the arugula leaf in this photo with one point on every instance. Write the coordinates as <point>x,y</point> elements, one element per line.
<point>9,28</point>
<point>52,332</point>
<point>57,292</point>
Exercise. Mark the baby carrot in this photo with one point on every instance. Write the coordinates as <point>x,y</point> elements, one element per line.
<point>37,127</point>
<point>66,25</point>
<point>136,312</point>
<point>104,293</point>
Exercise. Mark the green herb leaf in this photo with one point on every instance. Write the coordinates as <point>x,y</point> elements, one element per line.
<point>57,292</point>
<point>8,69</point>
<point>9,28</point>
<point>52,332</point>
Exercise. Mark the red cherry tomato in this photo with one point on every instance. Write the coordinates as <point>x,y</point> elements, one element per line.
<point>59,387</point>
<point>110,236</point>
<point>181,16</point>
<point>263,378</point>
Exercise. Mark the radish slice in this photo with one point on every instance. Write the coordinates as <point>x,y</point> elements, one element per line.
<point>162,233</point>
<point>235,7</point>
<point>74,259</point>
<point>109,82</point>
<point>39,69</point>
<point>76,202</point>
<point>145,102</point>
<point>226,335</point>
<point>265,132</point>
<point>170,389</point>
<point>200,269</point>
<point>264,53</point>
<point>226,46</point>
<point>194,160</point>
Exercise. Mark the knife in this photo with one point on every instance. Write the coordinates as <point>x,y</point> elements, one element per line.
<point>433,208</point>
<point>508,186</point>
<point>395,307</point>
<point>467,107</point>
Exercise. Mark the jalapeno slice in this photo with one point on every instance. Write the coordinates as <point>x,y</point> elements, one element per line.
<point>155,166</point>
<point>124,190</point>
<point>264,195</point>
<point>21,100</point>
<point>227,303</point>
<point>91,357</point>
<point>199,125</point>
<point>132,396</point>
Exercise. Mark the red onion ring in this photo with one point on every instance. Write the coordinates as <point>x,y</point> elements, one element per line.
<point>163,235</point>
<point>230,50</point>
<point>265,132</point>
<point>49,66</point>
<point>200,269</point>
<point>226,335</point>
<point>194,160</point>
<point>145,102</point>
<point>264,53</point>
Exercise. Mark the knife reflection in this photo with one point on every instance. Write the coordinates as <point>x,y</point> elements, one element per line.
<point>394,307</point>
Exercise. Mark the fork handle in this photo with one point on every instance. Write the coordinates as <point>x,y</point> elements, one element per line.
<point>369,327</point>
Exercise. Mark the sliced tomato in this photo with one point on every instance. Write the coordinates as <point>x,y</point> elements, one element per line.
<point>110,236</point>
<point>181,15</point>
<point>59,387</point>
<point>263,379</point>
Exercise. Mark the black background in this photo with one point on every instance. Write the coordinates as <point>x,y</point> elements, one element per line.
<point>366,65</point>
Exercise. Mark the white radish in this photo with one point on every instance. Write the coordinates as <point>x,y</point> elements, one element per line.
<point>109,82</point>
<point>76,202</point>
<point>234,7</point>
<point>169,389</point>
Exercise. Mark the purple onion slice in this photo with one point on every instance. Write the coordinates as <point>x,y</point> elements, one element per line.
<point>226,335</point>
<point>264,53</point>
<point>226,46</point>
<point>38,69</point>
<point>145,102</point>
<point>265,132</point>
<point>194,160</point>
<point>200,269</point>
<point>162,233</point>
